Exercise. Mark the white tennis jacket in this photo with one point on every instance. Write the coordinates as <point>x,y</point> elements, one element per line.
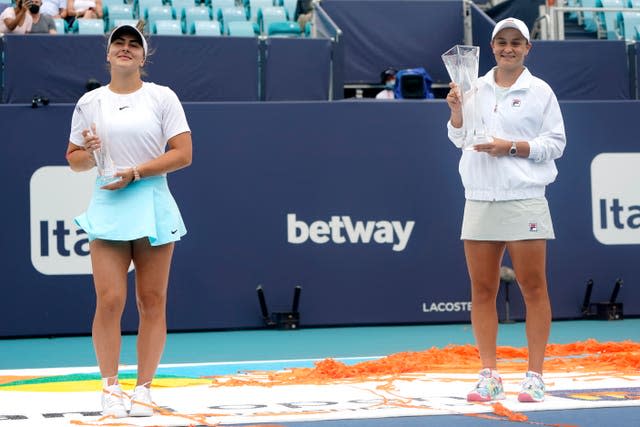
<point>528,112</point>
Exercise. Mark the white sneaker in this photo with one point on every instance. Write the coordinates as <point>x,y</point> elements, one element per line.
<point>112,401</point>
<point>532,388</point>
<point>141,403</point>
<point>488,388</point>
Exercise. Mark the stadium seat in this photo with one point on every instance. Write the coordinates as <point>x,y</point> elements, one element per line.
<point>114,12</point>
<point>573,16</point>
<point>61,25</point>
<point>607,21</point>
<point>119,22</point>
<point>155,13</point>
<point>253,6</point>
<point>180,5</point>
<point>216,5</point>
<point>627,22</point>
<point>227,15</point>
<point>241,28</point>
<point>196,13</point>
<point>588,18</point>
<point>284,29</point>
<point>107,3</point>
<point>290,7</point>
<point>206,28</point>
<point>142,6</point>
<point>269,14</point>
<point>88,26</point>
<point>167,27</point>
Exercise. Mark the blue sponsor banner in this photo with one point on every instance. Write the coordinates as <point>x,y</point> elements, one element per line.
<point>359,203</point>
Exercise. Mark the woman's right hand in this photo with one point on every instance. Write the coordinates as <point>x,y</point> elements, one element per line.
<point>91,140</point>
<point>454,100</point>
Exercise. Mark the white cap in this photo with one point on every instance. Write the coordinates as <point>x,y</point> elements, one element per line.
<point>511,23</point>
<point>128,29</point>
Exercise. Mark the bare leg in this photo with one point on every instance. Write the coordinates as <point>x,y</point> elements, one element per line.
<point>110,261</point>
<point>152,277</point>
<point>483,263</point>
<point>529,263</point>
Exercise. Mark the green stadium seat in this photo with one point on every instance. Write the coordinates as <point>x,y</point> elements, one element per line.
<point>241,29</point>
<point>269,14</point>
<point>155,13</point>
<point>206,28</point>
<point>627,22</point>
<point>61,25</point>
<point>227,15</point>
<point>114,12</point>
<point>196,13</point>
<point>284,29</point>
<point>88,26</point>
<point>180,5</point>
<point>290,7</point>
<point>167,27</point>
<point>253,6</point>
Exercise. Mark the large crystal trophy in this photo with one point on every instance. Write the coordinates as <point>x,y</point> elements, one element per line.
<point>93,120</point>
<point>462,65</point>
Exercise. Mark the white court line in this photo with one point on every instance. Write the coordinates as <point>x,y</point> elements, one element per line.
<point>93,369</point>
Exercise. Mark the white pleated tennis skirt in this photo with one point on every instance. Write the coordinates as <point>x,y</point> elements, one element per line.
<point>507,221</point>
<point>144,208</point>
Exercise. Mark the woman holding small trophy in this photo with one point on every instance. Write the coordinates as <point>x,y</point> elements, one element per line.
<point>125,128</point>
<point>505,177</point>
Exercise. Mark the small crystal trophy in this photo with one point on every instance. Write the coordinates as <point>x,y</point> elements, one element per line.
<point>92,118</point>
<point>462,65</point>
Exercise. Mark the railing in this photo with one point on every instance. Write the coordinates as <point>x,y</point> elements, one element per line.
<point>555,21</point>
<point>323,26</point>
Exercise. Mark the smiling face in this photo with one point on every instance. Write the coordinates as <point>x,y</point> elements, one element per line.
<point>126,52</point>
<point>510,48</point>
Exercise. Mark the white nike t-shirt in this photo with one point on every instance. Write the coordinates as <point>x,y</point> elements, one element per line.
<point>135,126</point>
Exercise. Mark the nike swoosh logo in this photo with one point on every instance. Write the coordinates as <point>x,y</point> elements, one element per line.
<point>174,231</point>
<point>122,108</point>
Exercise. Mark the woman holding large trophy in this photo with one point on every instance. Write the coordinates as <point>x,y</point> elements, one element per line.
<point>509,126</point>
<point>135,133</point>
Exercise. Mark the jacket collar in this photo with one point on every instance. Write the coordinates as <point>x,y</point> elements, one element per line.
<point>523,82</point>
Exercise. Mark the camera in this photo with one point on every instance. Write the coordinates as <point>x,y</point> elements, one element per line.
<point>37,99</point>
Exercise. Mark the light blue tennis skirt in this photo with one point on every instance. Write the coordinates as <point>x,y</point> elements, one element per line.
<point>507,221</point>
<point>144,208</point>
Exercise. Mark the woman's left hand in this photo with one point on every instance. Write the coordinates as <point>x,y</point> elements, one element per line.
<point>126,178</point>
<point>499,147</point>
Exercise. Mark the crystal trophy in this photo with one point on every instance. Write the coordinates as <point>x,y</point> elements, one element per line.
<point>93,120</point>
<point>462,65</point>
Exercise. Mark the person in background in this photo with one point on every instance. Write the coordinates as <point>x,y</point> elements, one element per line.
<point>16,20</point>
<point>54,8</point>
<point>303,13</point>
<point>506,209</point>
<point>133,219</point>
<point>388,79</point>
<point>84,9</point>
<point>42,24</point>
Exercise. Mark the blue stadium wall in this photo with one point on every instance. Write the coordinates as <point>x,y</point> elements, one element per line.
<point>274,198</point>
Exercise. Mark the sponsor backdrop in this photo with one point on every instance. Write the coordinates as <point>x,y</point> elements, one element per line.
<point>359,203</point>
